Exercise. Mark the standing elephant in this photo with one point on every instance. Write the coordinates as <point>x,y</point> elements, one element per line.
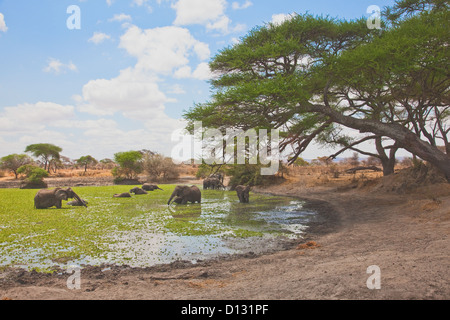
<point>243,193</point>
<point>48,198</point>
<point>185,194</point>
<point>150,187</point>
<point>137,190</point>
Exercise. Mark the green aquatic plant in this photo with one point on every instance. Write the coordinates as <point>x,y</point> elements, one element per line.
<point>125,230</point>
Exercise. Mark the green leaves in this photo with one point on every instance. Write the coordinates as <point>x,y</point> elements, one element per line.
<point>130,164</point>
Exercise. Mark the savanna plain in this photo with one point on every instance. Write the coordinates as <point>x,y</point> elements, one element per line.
<point>397,223</point>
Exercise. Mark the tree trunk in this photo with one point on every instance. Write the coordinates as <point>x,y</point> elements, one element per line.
<point>388,166</point>
<point>388,162</point>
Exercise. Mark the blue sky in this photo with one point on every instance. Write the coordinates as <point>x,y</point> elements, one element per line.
<point>121,81</point>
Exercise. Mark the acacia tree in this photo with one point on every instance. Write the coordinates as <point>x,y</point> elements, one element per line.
<point>86,161</point>
<point>13,162</point>
<point>46,151</point>
<point>311,74</point>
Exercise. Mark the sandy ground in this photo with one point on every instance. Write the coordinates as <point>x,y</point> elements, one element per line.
<point>406,236</point>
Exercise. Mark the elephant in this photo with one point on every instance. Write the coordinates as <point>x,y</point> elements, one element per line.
<point>122,195</point>
<point>150,187</point>
<point>137,191</point>
<point>178,200</point>
<point>243,193</point>
<point>76,203</point>
<point>212,183</point>
<point>218,175</point>
<point>185,194</point>
<point>48,198</point>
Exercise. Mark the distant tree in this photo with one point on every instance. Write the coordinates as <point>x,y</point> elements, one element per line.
<point>14,161</point>
<point>130,164</point>
<point>46,151</point>
<point>107,163</point>
<point>353,160</point>
<point>66,162</point>
<point>373,161</point>
<point>86,161</point>
<point>300,162</point>
<point>159,167</point>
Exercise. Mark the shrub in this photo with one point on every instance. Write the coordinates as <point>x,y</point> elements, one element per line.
<point>130,164</point>
<point>34,176</point>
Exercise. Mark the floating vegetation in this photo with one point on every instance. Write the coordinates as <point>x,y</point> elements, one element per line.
<point>142,230</point>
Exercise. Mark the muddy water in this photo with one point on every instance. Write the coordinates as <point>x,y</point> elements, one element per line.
<point>219,226</point>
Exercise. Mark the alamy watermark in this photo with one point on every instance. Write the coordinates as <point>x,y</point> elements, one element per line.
<point>374,281</point>
<point>211,146</point>
<point>374,21</point>
<point>74,20</point>
<point>74,280</point>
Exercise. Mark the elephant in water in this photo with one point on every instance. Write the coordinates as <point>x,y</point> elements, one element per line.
<point>48,198</point>
<point>122,195</point>
<point>185,194</point>
<point>150,187</point>
<point>212,183</point>
<point>243,193</point>
<point>138,190</point>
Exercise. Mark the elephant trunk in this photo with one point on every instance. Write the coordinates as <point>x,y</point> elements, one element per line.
<point>174,193</point>
<point>79,199</point>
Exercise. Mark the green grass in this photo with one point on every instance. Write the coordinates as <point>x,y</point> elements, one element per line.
<point>115,226</point>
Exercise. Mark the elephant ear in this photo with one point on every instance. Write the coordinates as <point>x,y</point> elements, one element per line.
<point>61,195</point>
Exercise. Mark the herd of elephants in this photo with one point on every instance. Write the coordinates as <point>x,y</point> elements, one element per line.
<point>181,195</point>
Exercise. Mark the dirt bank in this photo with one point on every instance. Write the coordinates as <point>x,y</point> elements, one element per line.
<point>405,235</point>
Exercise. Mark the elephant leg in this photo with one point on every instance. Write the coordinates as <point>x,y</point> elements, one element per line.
<point>59,204</point>
<point>184,201</point>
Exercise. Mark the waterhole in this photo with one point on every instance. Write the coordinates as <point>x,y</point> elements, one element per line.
<point>219,226</point>
<point>144,231</point>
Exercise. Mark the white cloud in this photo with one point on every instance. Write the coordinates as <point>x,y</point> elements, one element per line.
<point>245,5</point>
<point>120,17</point>
<point>202,72</point>
<point>109,2</point>
<point>176,89</point>
<point>198,11</point>
<point>27,118</point>
<point>132,93</point>
<point>140,3</point>
<point>183,72</point>
<point>3,26</point>
<point>210,14</point>
<point>57,67</point>
<point>161,50</point>
<point>278,19</point>
<point>99,37</point>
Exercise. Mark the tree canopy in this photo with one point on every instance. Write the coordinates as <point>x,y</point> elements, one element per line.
<point>13,162</point>
<point>46,151</point>
<point>310,76</point>
<point>85,161</point>
<point>130,164</point>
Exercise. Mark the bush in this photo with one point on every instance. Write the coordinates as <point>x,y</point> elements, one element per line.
<point>34,176</point>
<point>130,164</point>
